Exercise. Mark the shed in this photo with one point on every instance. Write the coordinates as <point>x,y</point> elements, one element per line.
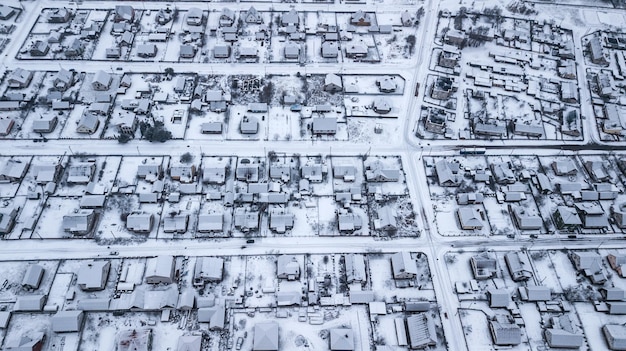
<point>32,277</point>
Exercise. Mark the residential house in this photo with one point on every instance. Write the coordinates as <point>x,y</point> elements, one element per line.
<point>183,173</point>
<point>81,172</point>
<point>504,332</point>
<point>6,125</point>
<point>211,128</point>
<point>592,215</point>
<point>58,15</point>
<point>332,83</point>
<point>124,13</point>
<point>378,172</point>
<point>150,172</point>
<point>249,125</point>
<point>187,51</point>
<point>79,222</point>
<point>345,172</point>
<point>75,48</point>
<point>265,337</point>
<point>289,18</point>
<point>140,222</point>
<point>14,170</point>
<point>341,339</point>
<point>524,220</point>
<point>537,293</point>
<point>330,49</point>
<point>30,303</point>
<point>7,219</point>
<point>45,124</point>
<point>563,333</point>
<point>386,219</point>
<point>617,263</point>
<point>160,270</point>
<point>189,343</point>
<point>195,17</point>
<point>518,265</point>
<point>484,266</point>
<point>20,78</point>
<point>527,129</point>
<point>597,51</point>
<point>590,265</point>
<point>63,80</point>
<point>597,171</point>
<point>324,125</point>
<point>246,220</point>
<point>93,275</point>
<point>214,316</point>
<point>68,321</point>
<point>447,173</point>
<point>281,220</point>
<point>6,12</point>
<point>470,218</point>
<point>469,198</point>
<point>32,277</point>
<point>355,268</point>
<point>146,50</point>
<point>221,51</point>
<point>176,224</point>
<point>615,335</point>
<point>101,81</point>
<point>28,341</point>
<point>360,18</point>
<point>288,267</point>
<point>566,218</point>
<point>247,171</point>
<point>403,265</point>
<point>40,48</point>
<point>354,50</point>
<point>208,269</point>
<point>227,17</point>
<point>349,222</point>
<point>564,167</point>
<point>252,16</point>
<point>421,331</point>
<point>499,298</point>
<point>210,222</point>
<point>313,172</point>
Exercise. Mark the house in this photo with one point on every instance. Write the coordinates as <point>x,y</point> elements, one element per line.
<point>355,268</point>
<point>345,172</point>
<point>341,339</point>
<point>449,59</point>
<point>6,12</point>
<point>469,198</point>
<point>249,125</point>
<point>292,51</point>
<point>93,275</point>
<point>221,51</point>
<point>81,172</point>
<point>208,269</point>
<point>146,50</point>
<point>360,18</point>
<point>566,218</point>
<point>597,171</point>
<point>176,224</point>
<point>405,19</point>
<point>349,222</point>
<point>617,263</point>
<point>6,125</point>
<point>79,222</point>
<point>63,80</point>
<point>252,16</point>
<point>324,125</point>
<point>101,81</point>
<point>211,128</point>
<point>518,265</point>
<point>442,88</point>
<point>58,15</point>
<point>265,337</point>
<point>113,52</point>
<point>592,215</point>
<point>14,170</point>
<point>41,48</point>
<point>564,167</point>
<point>527,129</point>
<point>499,298</point>
<point>354,50</point>
<point>523,220</point>
<point>288,267</point>
<point>189,343</point>
<point>246,220</point>
<point>381,106</point>
<point>332,83</point>
<point>187,51</point>
<point>378,172</point>
<point>503,173</point>
<point>30,303</point>
<point>403,265</point>
<point>92,201</point>
<point>214,316</point>
<point>503,332</point>
<point>195,17</point>
<point>20,78</point>
<point>214,174</point>
<point>227,17</point>
<point>28,341</point>
<point>149,172</point>
<point>615,335</point>
<point>470,218</point>
<point>67,321</point>
<point>590,265</point>
<point>537,293</point>
<point>563,333</point>
<point>330,49</point>
<point>212,222</point>
<point>183,173</point>
<point>314,173</point>
<point>484,266</point>
<point>280,220</point>
<point>597,51</point>
<point>613,294</point>
<point>447,173</point>
<point>160,270</point>
<point>7,219</point>
<point>616,307</point>
<point>140,222</point>
<point>386,219</point>
<point>133,340</point>
<point>289,18</point>
<point>32,277</point>
<point>124,13</point>
<point>421,330</point>
<point>75,48</point>
<point>247,171</point>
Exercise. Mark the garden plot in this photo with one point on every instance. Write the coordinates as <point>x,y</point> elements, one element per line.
<point>260,276</point>
<point>184,213</point>
<point>391,290</point>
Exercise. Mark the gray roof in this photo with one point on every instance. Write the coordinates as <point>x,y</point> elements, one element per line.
<point>265,336</point>
<point>341,339</point>
<point>160,269</point>
<point>210,222</point>
<point>14,169</point>
<point>139,222</point>
<point>355,268</point>
<point>212,315</point>
<point>421,330</point>
<point>32,277</point>
<point>403,265</point>
<point>209,268</point>
<point>563,338</point>
<point>30,303</point>
<point>67,321</point>
<point>92,275</point>
<point>288,266</point>
<point>324,125</point>
<point>189,343</point>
